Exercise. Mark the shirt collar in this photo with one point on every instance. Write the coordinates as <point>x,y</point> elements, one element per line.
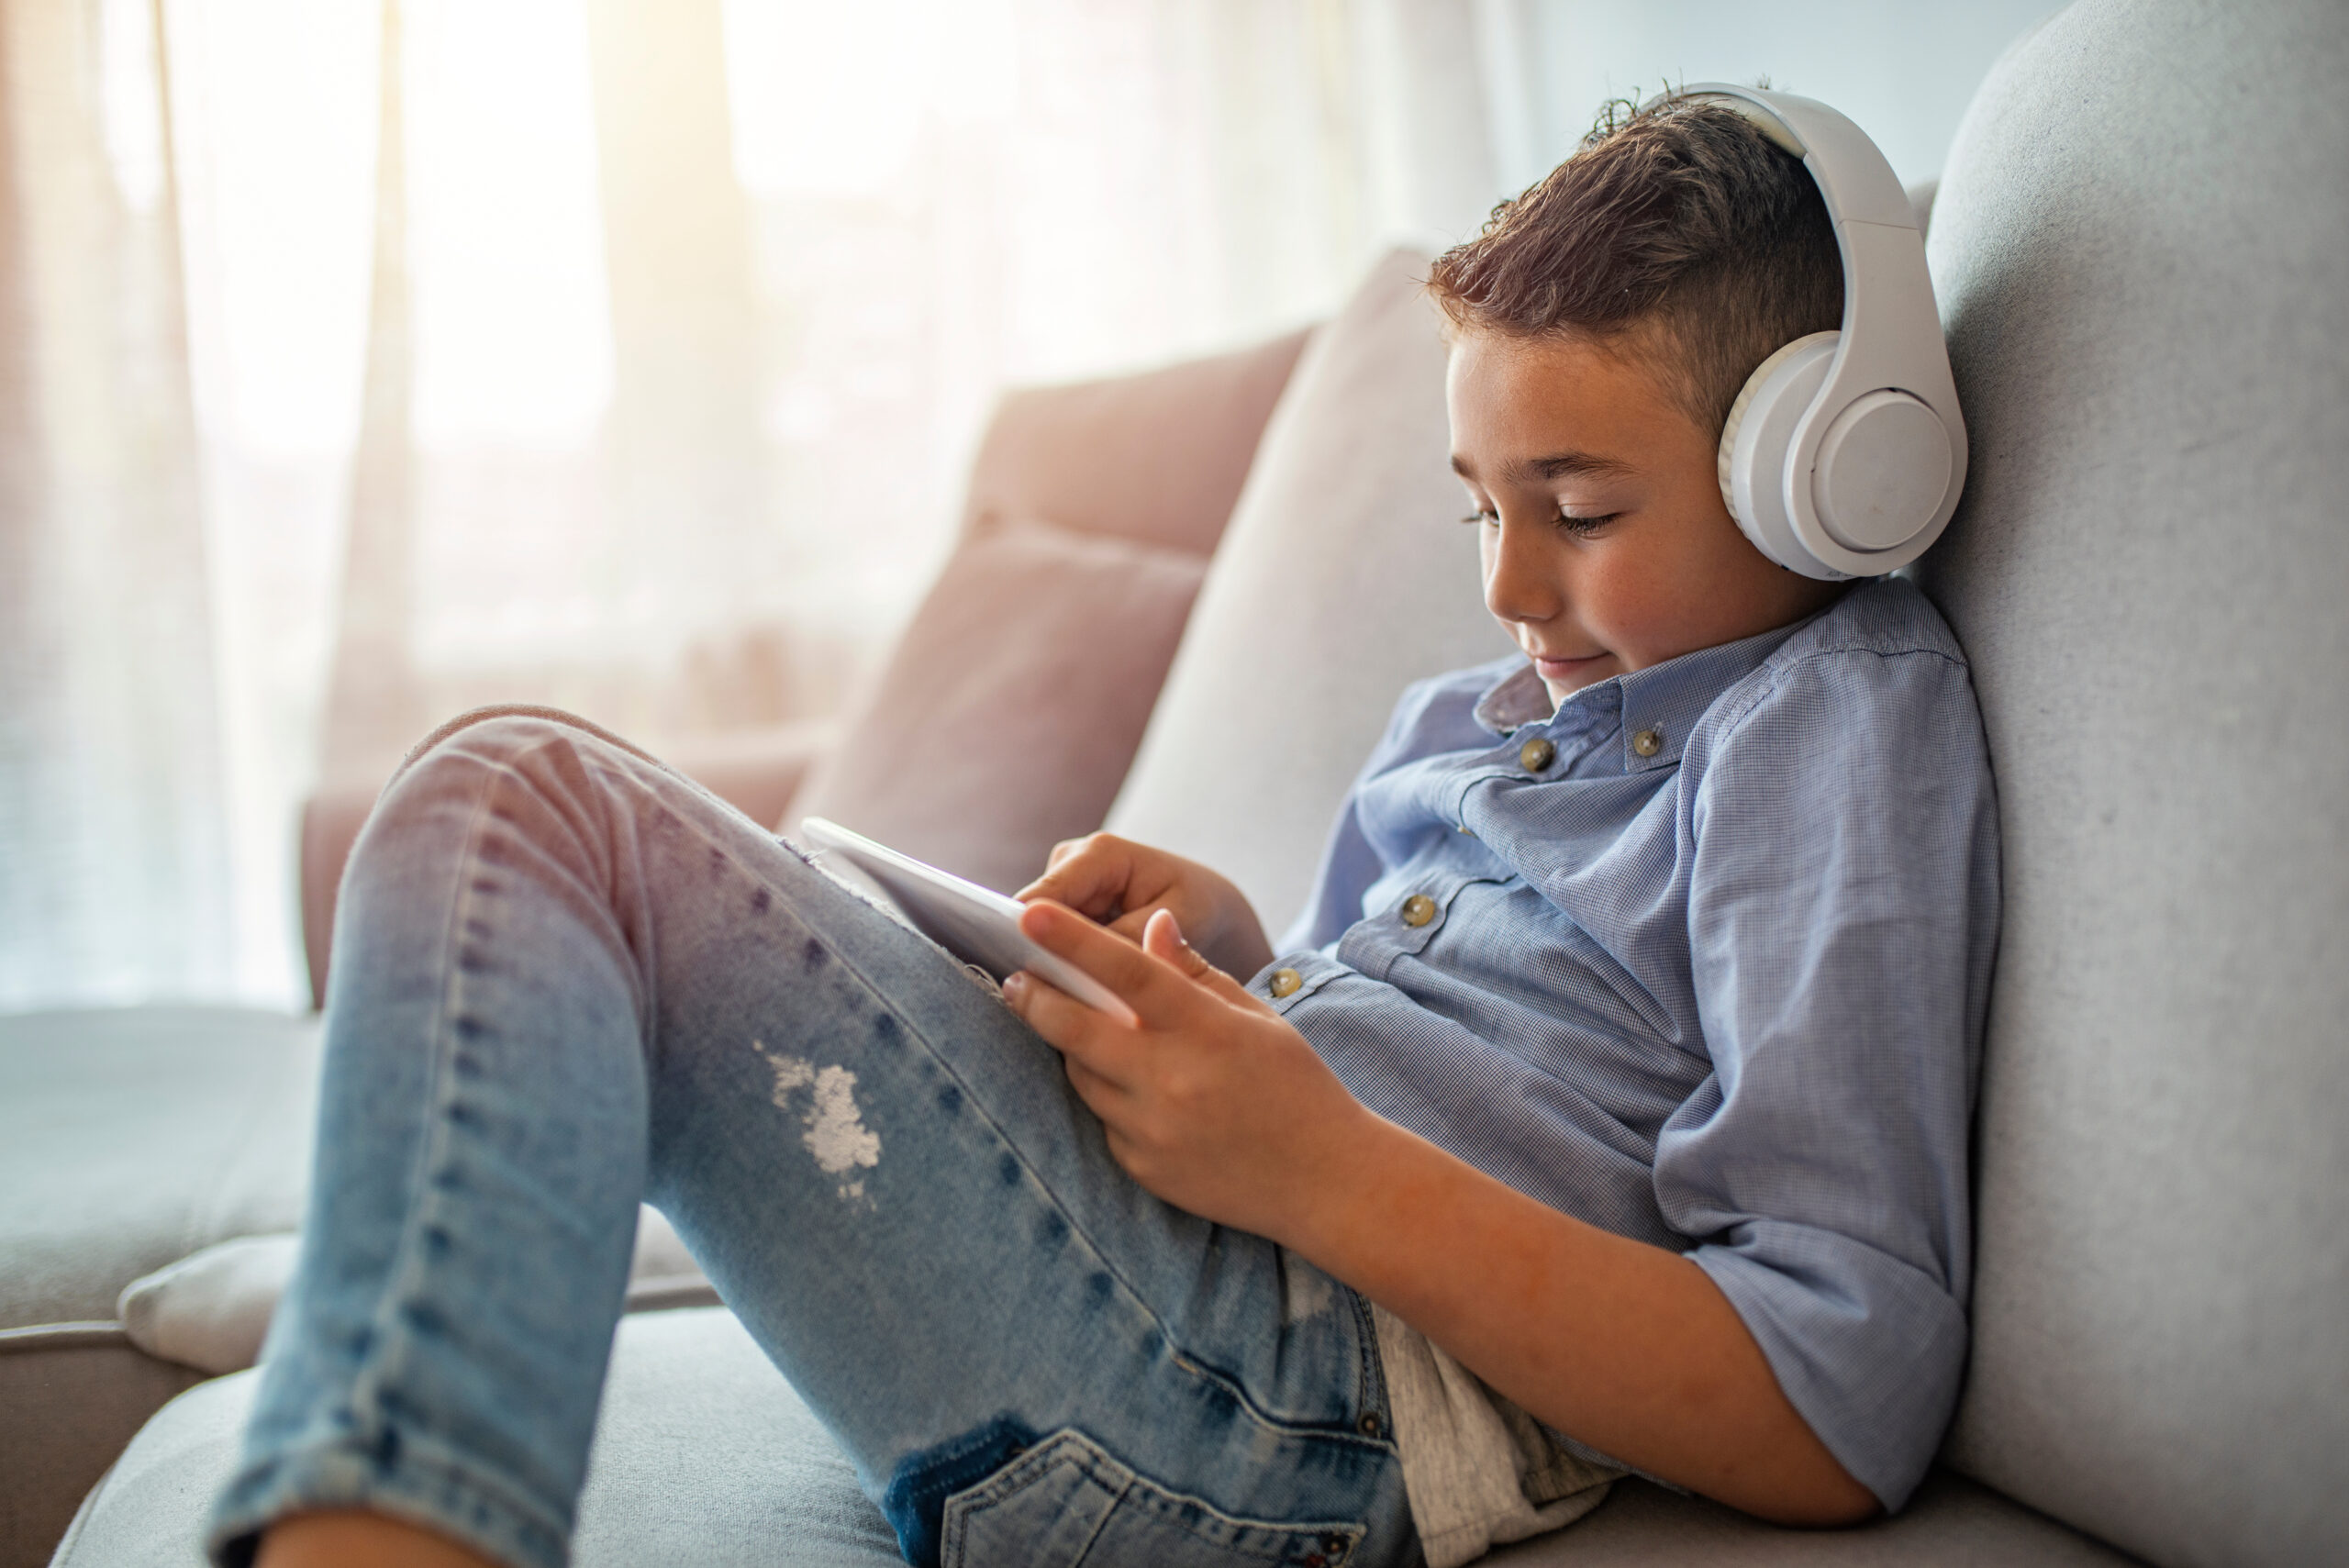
<point>1658,705</point>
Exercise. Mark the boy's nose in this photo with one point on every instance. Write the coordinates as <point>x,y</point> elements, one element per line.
<point>1521,582</point>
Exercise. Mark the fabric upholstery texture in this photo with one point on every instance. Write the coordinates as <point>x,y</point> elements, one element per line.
<point>1006,716</point>
<point>135,1137</point>
<point>1011,706</point>
<point>2138,244</point>
<point>1157,458</point>
<point>1951,1522</point>
<point>131,1137</point>
<point>706,1456</point>
<point>70,1399</point>
<point>1343,577</point>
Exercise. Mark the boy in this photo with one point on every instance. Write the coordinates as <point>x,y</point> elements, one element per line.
<point>1606,1109</point>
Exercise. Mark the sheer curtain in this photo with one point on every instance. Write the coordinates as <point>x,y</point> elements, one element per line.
<point>115,871</point>
<point>364,359</point>
<point>362,362</point>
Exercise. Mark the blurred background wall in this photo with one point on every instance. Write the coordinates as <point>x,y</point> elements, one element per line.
<point>366,360</point>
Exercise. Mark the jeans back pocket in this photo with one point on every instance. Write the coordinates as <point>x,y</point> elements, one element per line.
<point>1067,1502</point>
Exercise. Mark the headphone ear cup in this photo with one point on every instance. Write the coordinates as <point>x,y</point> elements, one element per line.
<point>1755,440</point>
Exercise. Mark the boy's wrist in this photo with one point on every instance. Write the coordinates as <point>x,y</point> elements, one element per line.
<point>1345,1185</point>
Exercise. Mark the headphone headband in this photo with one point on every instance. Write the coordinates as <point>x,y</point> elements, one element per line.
<point>1845,459</point>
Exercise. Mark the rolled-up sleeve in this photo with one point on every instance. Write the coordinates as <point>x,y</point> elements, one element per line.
<point>1843,901</point>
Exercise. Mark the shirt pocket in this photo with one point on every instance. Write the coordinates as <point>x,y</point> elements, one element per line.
<point>1067,1502</point>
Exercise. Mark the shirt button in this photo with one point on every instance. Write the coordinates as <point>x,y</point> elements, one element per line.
<point>1536,755</point>
<point>1648,742</point>
<point>1286,982</point>
<point>1418,909</point>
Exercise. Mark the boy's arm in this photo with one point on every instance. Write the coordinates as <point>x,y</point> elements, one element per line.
<point>1630,1348</point>
<point>1218,1106</point>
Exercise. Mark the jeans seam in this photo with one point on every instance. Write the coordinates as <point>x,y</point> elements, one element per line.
<point>392,1340</point>
<point>1373,1370</point>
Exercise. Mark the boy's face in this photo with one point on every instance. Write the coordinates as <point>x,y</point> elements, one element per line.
<point>1606,545</point>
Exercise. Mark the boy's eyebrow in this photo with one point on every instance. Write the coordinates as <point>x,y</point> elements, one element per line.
<point>1556,465</point>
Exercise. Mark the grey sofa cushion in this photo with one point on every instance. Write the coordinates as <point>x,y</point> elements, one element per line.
<point>1950,1522</point>
<point>1343,577</point>
<point>128,1138</point>
<point>70,1399</point>
<point>133,1138</point>
<point>706,1456</point>
<point>2138,245</point>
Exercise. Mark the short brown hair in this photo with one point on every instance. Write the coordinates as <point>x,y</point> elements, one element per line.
<point>1680,219</point>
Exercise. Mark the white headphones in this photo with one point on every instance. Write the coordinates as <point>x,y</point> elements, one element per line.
<point>1844,454</point>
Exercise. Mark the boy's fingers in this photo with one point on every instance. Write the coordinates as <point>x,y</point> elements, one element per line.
<point>1103,1096</point>
<point>1081,875</point>
<point>1164,938</point>
<point>1113,960</point>
<point>1080,1033</point>
<point>1133,923</point>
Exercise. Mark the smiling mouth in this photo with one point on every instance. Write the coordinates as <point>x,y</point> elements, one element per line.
<point>1567,661</point>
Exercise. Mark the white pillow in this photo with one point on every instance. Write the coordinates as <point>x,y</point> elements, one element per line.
<point>211,1309</point>
<point>1345,575</point>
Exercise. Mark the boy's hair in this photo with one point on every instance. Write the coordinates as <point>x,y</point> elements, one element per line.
<point>1680,222</point>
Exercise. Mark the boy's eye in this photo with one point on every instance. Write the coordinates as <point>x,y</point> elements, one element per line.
<point>1569,521</point>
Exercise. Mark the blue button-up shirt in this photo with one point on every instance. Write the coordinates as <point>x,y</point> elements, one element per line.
<point>1708,969</point>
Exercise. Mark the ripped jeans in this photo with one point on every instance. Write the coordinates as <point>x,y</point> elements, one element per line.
<point>566,979</point>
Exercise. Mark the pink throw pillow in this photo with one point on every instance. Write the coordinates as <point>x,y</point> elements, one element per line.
<point>1009,711</point>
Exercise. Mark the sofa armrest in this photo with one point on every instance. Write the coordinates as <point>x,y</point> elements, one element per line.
<point>755,771</point>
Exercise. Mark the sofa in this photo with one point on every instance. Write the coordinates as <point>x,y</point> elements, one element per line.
<point>1181,603</point>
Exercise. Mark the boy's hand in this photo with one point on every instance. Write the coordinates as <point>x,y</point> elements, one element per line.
<point>1214,1103</point>
<point>1122,884</point>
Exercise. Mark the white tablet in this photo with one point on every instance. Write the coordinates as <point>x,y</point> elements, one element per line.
<point>975,924</point>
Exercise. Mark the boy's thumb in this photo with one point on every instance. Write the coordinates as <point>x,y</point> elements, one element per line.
<point>1164,938</point>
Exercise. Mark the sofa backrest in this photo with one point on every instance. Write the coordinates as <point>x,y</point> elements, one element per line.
<point>1006,717</point>
<point>2138,247</point>
<point>1342,576</point>
<point>1157,457</point>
